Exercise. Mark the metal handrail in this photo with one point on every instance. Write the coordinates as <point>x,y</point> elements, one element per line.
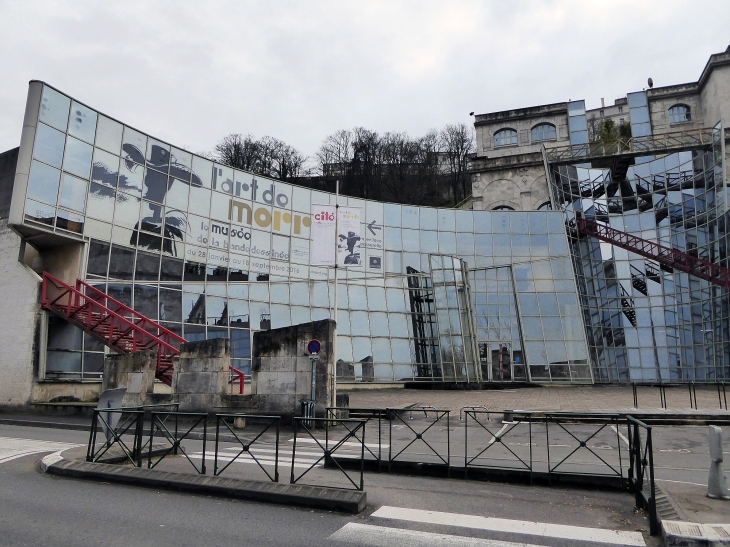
<point>241,378</point>
<point>120,326</point>
<point>641,464</point>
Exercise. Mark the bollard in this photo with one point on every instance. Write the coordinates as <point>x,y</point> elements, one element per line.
<point>239,423</point>
<point>716,484</point>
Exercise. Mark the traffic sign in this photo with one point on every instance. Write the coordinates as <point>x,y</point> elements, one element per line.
<point>314,347</point>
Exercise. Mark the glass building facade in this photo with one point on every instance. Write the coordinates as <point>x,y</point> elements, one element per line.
<point>442,295</point>
<point>646,321</point>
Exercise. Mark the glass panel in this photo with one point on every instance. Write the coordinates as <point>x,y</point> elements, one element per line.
<point>121,263</point>
<point>49,145</point>
<point>158,155</point>
<point>82,123</point>
<point>134,145</point>
<point>109,135</point>
<point>101,202</point>
<point>54,108</point>
<point>43,183</point>
<point>73,194</point>
<point>105,168</point>
<point>77,157</point>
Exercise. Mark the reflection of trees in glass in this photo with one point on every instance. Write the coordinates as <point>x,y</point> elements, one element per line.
<point>607,130</point>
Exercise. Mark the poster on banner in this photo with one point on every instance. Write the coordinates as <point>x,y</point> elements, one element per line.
<point>348,237</point>
<point>323,235</point>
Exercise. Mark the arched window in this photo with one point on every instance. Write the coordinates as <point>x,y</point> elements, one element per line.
<point>544,132</point>
<point>679,113</point>
<point>547,206</point>
<point>505,137</point>
<point>503,208</point>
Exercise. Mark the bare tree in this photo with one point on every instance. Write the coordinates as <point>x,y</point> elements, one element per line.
<point>267,156</point>
<point>457,144</point>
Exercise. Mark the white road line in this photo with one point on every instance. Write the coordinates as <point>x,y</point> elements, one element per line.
<point>540,529</point>
<point>623,437</point>
<point>381,536</point>
<point>12,448</point>
<point>681,482</point>
<point>333,442</point>
<point>299,464</point>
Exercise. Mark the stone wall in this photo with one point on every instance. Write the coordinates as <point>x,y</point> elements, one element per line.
<point>200,379</point>
<point>133,371</point>
<point>20,320</point>
<point>282,370</point>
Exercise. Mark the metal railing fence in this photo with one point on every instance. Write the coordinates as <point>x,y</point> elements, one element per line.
<point>225,419</point>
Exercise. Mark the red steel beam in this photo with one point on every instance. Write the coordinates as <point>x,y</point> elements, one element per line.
<point>684,262</point>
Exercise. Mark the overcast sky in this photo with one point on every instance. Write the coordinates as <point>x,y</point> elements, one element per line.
<point>192,72</point>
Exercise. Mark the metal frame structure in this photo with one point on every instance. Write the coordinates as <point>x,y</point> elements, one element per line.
<point>667,256</point>
<point>246,445</point>
<point>117,325</point>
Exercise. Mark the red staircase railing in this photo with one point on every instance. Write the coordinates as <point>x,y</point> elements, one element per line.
<point>117,325</point>
<point>664,255</point>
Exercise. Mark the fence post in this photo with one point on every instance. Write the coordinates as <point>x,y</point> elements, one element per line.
<point>653,521</point>
<point>636,399</point>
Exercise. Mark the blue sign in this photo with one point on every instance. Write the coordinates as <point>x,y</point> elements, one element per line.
<point>313,347</point>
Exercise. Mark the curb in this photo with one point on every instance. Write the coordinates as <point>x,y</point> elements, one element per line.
<point>318,497</point>
<point>691,534</point>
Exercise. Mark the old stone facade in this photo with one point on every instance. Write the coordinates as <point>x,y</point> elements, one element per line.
<point>508,170</point>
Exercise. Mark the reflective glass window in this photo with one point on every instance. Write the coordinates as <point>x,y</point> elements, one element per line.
<point>98,258</point>
<point>100,203</point>
<point>43,183</point>
<point>49,145</point>
<point>82,123</point>
<point>126,210</point>
<point>77,157</point>
<point>67,220</point>
<point>54,108</point>
<point>73,193</point>
<point>109,135</point>
<point>134,145</point>
<point>145,301</point>
<point>131,177</point>
<point>105,168</point>
<point>155,186</point>
<point>121,263</point>
<point>158,155</point>
<point>170,305</point>
<point>148,266</point>
<point>40,212</point>
<point>392,214</point>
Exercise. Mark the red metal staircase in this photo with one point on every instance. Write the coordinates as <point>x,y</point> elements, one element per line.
<point>117,325</point>
<point>665,256</point>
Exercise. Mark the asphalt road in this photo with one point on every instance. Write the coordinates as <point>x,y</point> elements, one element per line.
<point>37,509</point>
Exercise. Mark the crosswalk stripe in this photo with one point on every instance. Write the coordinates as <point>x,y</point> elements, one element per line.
<point>350,444</point>
<point>12,448</point>
<point>382,536</point>
<point>540,529</point>
<point>300,464</point>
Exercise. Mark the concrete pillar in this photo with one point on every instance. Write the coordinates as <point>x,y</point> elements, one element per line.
<point>200,379</point>
<point>716,484</point>
<point>134,371</point>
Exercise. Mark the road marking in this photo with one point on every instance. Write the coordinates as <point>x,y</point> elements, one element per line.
<point>540,529</point>
<point>382,536</point>
<point>333,442</point>
<point>623,437</point>
<point>681,482</point>
<point>12,448</point>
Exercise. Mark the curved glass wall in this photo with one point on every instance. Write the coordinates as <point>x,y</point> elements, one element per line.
<point>209,251</point>
<point>646,321</point>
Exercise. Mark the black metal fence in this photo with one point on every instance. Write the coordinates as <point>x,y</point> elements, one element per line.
<point>168,423</point>
<point>246,444</point>
<point>117,425</point>
<point>491,451</point>
<point>691,391</point>
<point>641,470</point>
<point>353,427</point>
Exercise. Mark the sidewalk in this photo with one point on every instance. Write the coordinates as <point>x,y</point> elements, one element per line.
<point>596,398</point>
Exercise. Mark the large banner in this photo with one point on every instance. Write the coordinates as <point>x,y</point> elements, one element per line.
<point>323,235</point>
<point>348,237</point>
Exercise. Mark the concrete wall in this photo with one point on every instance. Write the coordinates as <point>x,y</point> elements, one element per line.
<point>134,371</point>
<point>200,379</point>
<point>282,371</point>
<point>20,320</point>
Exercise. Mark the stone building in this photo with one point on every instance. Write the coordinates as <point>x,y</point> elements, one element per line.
<point>508,170</point>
